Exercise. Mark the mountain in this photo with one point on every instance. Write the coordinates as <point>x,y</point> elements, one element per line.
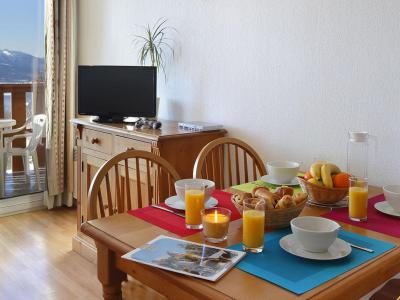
<point>16,66</point>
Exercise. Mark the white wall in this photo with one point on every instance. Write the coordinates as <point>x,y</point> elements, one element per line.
<point>291,77</point>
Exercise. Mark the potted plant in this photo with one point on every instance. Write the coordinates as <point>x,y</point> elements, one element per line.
<point>154,46</point>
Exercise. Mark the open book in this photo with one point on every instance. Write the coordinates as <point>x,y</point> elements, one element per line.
<point>193,259</point>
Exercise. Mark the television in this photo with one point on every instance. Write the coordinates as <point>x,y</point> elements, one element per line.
<point>115,92</point>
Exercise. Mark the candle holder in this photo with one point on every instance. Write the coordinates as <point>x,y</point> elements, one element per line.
<point>215,224</point>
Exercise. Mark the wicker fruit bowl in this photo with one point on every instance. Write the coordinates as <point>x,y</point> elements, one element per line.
<point>322,194</point>
<point>277,218</point>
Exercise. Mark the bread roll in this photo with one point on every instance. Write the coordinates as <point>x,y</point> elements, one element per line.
<point>238,198</point>
<point>257,188</point>
<point>283,191</point>
<point>285,202</point>
<point>266,194</point>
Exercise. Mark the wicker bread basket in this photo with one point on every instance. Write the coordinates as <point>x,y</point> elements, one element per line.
<point>278,218</point>
<point>322,194</point>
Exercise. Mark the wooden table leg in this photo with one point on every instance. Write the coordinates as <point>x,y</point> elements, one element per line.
<point>109,276</point>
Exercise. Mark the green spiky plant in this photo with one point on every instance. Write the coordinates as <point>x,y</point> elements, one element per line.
<point>154,45</point>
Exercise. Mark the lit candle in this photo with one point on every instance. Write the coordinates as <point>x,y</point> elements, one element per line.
<point>216,224</point>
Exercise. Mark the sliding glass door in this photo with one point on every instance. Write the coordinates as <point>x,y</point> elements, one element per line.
<point>22,102</point>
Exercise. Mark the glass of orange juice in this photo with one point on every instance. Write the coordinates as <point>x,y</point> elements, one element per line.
<point>194,204</point>
<point>358,199</point>
<point>253,224</point>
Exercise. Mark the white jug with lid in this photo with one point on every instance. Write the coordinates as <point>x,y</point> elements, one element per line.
<point>358,153</point>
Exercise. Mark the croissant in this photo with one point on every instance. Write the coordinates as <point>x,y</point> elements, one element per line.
<point>299,197</point>
<point>285,202</point>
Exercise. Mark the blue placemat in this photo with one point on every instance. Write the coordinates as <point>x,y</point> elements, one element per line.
<point>300,275</point>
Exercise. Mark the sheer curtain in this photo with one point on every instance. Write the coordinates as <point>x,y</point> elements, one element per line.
<point>60,100</point>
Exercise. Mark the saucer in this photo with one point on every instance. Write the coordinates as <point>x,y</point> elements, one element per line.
<point>384,207</point>
<point>337,250</point>
<point>269,179</point>
<point>176,203</point>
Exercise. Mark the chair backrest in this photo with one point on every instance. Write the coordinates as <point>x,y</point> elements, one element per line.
<point>133,179</point>
<point>38,126</point>
<point>228,161</point>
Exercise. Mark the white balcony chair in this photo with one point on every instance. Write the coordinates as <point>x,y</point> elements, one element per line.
<point>35,137</point>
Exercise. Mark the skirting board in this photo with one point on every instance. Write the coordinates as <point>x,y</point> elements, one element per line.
<point>84,248</point>
<point>21,204</point>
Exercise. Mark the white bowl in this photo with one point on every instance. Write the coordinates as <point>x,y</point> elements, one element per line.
<point>315,234</point>
<point>392,196</point>
<point>180,187</point>
<point>283,171</point>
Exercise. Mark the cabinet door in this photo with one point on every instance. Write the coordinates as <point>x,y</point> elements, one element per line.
<point>90,165</point>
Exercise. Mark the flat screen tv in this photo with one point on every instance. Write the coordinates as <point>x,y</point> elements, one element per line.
<point>115,92</point>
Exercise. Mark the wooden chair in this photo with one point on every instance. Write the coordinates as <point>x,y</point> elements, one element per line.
<point>133,172</point>
<point>150,178</point>
<point>228,161</point>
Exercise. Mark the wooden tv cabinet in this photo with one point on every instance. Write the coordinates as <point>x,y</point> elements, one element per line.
<point>97,142</point>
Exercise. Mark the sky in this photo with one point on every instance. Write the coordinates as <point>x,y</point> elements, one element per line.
<point>22,26</point>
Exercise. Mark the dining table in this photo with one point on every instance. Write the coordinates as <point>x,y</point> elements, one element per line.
<point>4,123</point>
<point>118,234</point>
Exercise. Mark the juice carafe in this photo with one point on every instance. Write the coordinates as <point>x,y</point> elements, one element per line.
<point>357,154</point>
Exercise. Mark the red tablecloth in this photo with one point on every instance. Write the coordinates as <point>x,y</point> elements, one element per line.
<point>176,224</point>
<point>377,221</point>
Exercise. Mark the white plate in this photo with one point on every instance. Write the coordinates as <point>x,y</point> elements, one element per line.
<point>341,203</point>
<point>385,208</point>
<point>176,203</point>
<point>338,249</point>
<point>269,179</point>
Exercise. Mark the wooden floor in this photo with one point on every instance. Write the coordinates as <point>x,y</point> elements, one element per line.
<point>37,262</point>
<point>18,184</point>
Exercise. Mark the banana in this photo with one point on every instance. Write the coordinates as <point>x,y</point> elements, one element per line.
<point>315,169</point>
<point>315,181</point>
<point>326,175</point>
<point>334,168</point>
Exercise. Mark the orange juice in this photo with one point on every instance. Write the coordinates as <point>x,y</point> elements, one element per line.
<point>358,203</point>
<point>194,202</point>
<point>253,228</point>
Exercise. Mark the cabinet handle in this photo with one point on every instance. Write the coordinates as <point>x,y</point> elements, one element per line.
<point>95,141</point>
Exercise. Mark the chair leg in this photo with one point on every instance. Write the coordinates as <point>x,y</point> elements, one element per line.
<point>36,167</point>
<point>25,164</point>
<point>5,163</point>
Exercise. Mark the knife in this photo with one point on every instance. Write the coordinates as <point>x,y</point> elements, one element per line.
<point>167,209</point>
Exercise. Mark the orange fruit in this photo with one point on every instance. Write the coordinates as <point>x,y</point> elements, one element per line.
<point>341,180</point>
<point>307,176</point>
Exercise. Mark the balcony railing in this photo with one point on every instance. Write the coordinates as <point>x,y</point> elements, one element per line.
<point>18,101</point>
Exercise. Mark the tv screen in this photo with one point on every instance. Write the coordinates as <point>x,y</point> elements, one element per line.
<point>115,92</point>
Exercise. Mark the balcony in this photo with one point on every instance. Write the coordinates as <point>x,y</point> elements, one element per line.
<point>19,101</point>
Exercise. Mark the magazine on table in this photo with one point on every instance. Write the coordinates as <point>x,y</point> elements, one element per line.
<point>184,257</point>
